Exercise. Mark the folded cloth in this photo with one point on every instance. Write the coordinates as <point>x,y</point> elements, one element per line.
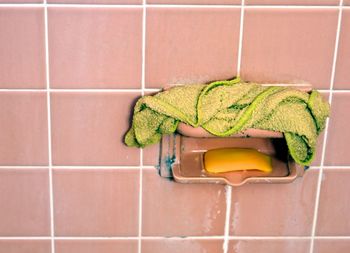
<point>224,108</point>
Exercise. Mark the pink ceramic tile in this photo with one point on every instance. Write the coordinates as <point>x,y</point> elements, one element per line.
<point>151,155</point>
<point>25,246</point>
<point>96,202</point>
<point>337,149</point>
<point>292,2</point>
<point>96,246</point>
<point>186,45</point>
<point>89,128</point>
<point>181,246</point>
<point>334,208</point>
<point>269,246</point>
<point>289,45</point>
<point>23,128</point>
<point>95,47</point>
<point>342,74</point>
<point>333,245</point>
<point>274,209</point>
<point>173,209</point>
<point>24,194</point>
<point>22,47</point>
<point>194,1</point>
<point>96,1</point>
<point>346,2</point>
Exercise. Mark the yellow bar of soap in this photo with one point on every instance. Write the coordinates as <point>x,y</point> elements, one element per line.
<point>236,159</point>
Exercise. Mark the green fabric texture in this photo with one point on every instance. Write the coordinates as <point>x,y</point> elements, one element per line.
<point>224,108</point>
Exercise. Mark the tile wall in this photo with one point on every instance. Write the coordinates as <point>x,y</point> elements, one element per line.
<point>70,73</point>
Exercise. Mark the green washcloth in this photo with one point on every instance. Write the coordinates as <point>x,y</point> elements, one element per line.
<point>224,108</point>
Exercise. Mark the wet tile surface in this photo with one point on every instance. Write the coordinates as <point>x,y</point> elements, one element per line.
<point>274,209</point>
<point>173,209</point>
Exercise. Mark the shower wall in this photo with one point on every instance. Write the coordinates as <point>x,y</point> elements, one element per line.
<point>70,73</point>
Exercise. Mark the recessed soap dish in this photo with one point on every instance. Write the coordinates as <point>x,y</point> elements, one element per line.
<point>182,159</point>
<point>181,155</point>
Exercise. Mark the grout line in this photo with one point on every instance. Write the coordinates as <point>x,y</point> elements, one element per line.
<point>96,90</point>
<point>320,176</point>
<point>24,167</point>
<point>269,237</point>
<point>174,238</point>
<point>123,90</point>
<point>104,167</point>
<point>143,62</point>
<point>332,237</point>
<point>228,191</point>
<point>240,43</point>
<point>336,167</point>
<point>22,90</point>
<point>48,97</point>
<point>127,167</point>
<point>196,6</point>
<point>67,5</point>
<point>340,91</point>
<point>123,167</point>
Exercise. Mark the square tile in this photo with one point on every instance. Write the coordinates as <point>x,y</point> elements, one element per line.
<point>23,128</point>
<point>99,202</point>
<point>22,47</point>
<point>194,2</point>
<point>173,209</point>
<point>334,207</point>
<point>181,246</point>
<point>333,245</point>
<point>269,246</point>
<point>89,128</point>
<point>346,2</point>
<point>289,45</point>
<point>274,209</point>
<point>337,149</point>
<point>96,246</point>
<point>205,46</point>
<point>25,206</point>
<point>319,148</point>
<point>95,47</point>
<point>342,73</point>
<point>25,246</point>
<point>292,2</point>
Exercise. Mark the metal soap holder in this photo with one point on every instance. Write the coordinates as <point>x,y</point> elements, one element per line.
<point>182,153</point>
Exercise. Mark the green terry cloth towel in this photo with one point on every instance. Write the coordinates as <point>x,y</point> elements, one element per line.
<point>224,108</point>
